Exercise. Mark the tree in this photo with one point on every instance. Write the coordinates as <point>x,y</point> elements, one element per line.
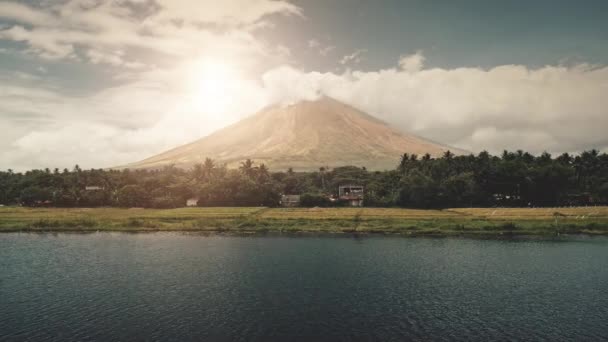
<point>322,170</point>
<point>247,168</point>
<point>417,190</point>
<point>198,173</point>
<point>403,162</point>
<point>513,179</point>
<point>34,195</point>
<point>208,168</point>
<point>263,173</point>
<point>603,193</point>
<point>132,196</point>
<point>459,190</point>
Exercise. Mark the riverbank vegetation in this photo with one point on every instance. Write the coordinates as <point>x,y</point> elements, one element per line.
<point>447,222</point>
<point>514,179</point>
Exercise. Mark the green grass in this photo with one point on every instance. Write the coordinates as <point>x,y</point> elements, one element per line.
<point>412,222</point>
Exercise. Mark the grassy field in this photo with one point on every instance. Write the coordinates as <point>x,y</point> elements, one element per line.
<point>467,221</point>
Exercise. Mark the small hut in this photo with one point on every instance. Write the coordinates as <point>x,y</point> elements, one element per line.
<point>192,202</point>
<point>290,200</point>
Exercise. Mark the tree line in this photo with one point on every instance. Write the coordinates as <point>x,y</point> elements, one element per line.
<point>512,179</point>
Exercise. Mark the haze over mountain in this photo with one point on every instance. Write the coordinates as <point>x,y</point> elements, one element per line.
<point>303,136</point>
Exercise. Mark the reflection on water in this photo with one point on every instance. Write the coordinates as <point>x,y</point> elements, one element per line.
<point>191,287</point>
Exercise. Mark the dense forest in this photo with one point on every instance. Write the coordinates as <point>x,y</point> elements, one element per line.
<point>512,179</point>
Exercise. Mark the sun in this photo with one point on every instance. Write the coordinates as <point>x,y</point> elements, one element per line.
<point>214,85</point>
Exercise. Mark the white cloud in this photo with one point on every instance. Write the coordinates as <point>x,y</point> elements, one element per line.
<point>412,63</point>
<point>235,12</point>
<point>324,51</point>
<point>287,85</point>
<point>115,58</point>
<point>176,28</point>
<point>154,45</point>
<point>44,43</point>
<point>117,125</point>
<point>313,44</point>
<point>553,108</point>
<point>321,48</point>
<point>353,58</point>
<point>24,14</point>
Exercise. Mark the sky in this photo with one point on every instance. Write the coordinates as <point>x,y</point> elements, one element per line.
<point>102,83</point>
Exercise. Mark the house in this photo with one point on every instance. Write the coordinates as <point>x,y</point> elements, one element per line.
<point>352,194</point>
<point>192,202</point>
<point>290,200</point>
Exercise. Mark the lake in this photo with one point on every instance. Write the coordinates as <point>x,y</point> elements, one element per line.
<point>182,287</point>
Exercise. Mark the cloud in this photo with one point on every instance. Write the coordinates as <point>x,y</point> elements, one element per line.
<point>233,12</point>
<point>98,31</point>
<point>353,58</point>
<point>152,48</point>
<point>313,44</point>
<point>114,126</point>
<point>324,51</point>
<point>552,108</point>
<point>321,48</point>
<point>24,14</point>
<point>46,44</point>
<point>115,58</point>
<point>412,63</point>
<point>287,85</point>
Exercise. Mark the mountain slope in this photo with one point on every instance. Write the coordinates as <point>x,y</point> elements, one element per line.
<point>303,136</point>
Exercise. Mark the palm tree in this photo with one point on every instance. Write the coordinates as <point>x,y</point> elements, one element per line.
<point>247,168</point>
<point>322,173</point>
<point>405,158</point>
<point>263,173</point>
<point>208,168</point>
<point>197,172</point>
<point>564,159</point>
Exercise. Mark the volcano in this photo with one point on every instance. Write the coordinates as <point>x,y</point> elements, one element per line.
<point>303,136</point>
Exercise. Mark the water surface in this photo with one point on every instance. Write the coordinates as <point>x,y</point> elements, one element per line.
<point>180,287</point>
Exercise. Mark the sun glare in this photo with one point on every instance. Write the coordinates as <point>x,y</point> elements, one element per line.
<point>214,83</point>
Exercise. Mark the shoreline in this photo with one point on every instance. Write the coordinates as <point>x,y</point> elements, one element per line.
<point>466,222</point>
